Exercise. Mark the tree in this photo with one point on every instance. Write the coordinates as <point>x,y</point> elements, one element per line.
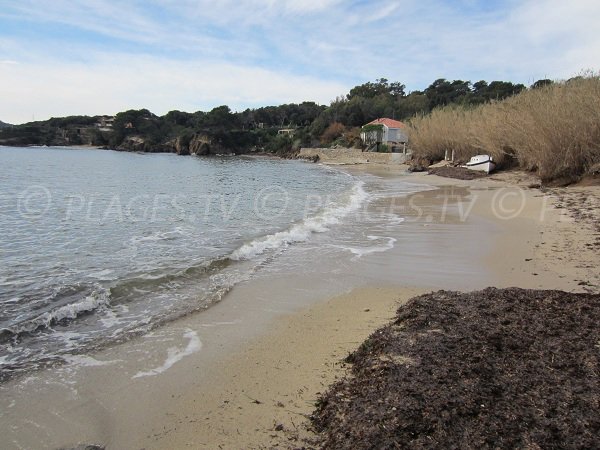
<point>414,103</point>
<point>541,83</point>
<point>220,117</point>
<point>380,87</point>
<point>499,90</point>
<point>443,92</point>
<point>397,89</point>
<point>179,118</point>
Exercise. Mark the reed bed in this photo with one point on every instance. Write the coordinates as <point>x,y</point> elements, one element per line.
<point>553,130</point>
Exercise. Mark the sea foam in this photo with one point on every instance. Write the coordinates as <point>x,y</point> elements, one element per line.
<point>359,252</point>
<point>92,302</point>
<point>175,355</point>
<point>302,231</point>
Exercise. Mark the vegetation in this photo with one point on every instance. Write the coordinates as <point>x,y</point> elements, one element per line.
<point>373,133</point>
<point>339,124</point>
<point>553,129</point>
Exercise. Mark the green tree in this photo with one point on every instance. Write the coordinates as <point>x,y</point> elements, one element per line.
<point>541,83</point>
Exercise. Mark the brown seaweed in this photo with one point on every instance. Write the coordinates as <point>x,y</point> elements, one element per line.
<point>498,368</point>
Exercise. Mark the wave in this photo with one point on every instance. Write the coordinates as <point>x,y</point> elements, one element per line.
<point>302,231</point>
<point>87,361</point>
<point>130,288</point>
<point>99,298</point>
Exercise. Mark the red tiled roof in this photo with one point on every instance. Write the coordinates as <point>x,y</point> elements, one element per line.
<point>390,123</point>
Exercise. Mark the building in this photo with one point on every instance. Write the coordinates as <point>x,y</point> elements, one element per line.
<point>105,123</point>
<point>287,131</point>
<point>384,131</point>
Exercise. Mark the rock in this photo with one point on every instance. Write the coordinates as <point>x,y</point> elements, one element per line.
<point>182,145</point>
<point>196,144</point>
<point>200,145</point>
<point>419,165</point>
<point>133,144</point>
<point>416,168</point>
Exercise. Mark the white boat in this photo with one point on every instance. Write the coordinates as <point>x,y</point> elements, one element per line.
<point>481,162</point>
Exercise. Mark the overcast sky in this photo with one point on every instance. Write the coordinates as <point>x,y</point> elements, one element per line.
<point>65,57</point>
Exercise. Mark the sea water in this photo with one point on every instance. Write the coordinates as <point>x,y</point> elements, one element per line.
<point>99,246</point>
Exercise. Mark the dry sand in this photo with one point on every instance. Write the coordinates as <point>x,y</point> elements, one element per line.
<point>260,393</point>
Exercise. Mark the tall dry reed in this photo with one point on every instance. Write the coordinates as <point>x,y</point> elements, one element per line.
<point>554,130</point>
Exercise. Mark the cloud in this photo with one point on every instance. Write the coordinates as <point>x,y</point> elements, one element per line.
<point>266,51</point>
<point>119,82</point>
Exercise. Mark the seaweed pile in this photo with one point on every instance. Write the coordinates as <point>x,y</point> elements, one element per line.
<point>498,368</point>
<point>459,173</point>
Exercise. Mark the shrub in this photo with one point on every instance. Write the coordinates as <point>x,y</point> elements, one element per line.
<point>332,132</point>
<point>553,130</point>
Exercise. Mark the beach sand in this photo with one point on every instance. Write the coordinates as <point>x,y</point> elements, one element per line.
<point>254,381</point>
<point>540,248</point>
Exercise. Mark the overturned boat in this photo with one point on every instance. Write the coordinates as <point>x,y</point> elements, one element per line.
<point>481,162</point>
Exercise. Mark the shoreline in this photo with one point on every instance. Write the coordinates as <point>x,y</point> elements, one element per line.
<point>236,400</point>
<point>256,416</point>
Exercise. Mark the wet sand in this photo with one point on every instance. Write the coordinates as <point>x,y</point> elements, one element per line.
<point>268,350</point>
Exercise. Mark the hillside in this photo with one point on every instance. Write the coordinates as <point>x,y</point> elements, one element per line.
<point>550,128</point>
<point>4,124</point>
<point>279,129</point>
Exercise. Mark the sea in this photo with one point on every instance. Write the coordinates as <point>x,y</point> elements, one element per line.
<point>100,246</point>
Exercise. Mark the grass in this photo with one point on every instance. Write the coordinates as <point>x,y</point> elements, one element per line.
<point>553,131</point>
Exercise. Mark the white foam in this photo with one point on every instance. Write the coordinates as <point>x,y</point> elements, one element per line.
<point>86,361</point>
<point>175,355</point>
<point>218,324</point>
<point>393,220</point>
<point>302,231</point>
<point>70,311</point>
<point>110,319</point>
<point>359,252</point>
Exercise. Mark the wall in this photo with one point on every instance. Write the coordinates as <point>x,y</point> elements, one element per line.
<point>396,135</point>
<point>351,156</point>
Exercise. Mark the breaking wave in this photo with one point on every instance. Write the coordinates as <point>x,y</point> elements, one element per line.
<point>302,231</point>
<point>90,303</point>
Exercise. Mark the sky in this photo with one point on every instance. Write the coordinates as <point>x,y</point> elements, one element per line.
<point>71,57</point>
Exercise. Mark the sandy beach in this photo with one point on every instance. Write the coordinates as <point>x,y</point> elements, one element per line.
<point>253,380</point>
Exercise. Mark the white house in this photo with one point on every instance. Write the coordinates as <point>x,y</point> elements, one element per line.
<point>384,131</point>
